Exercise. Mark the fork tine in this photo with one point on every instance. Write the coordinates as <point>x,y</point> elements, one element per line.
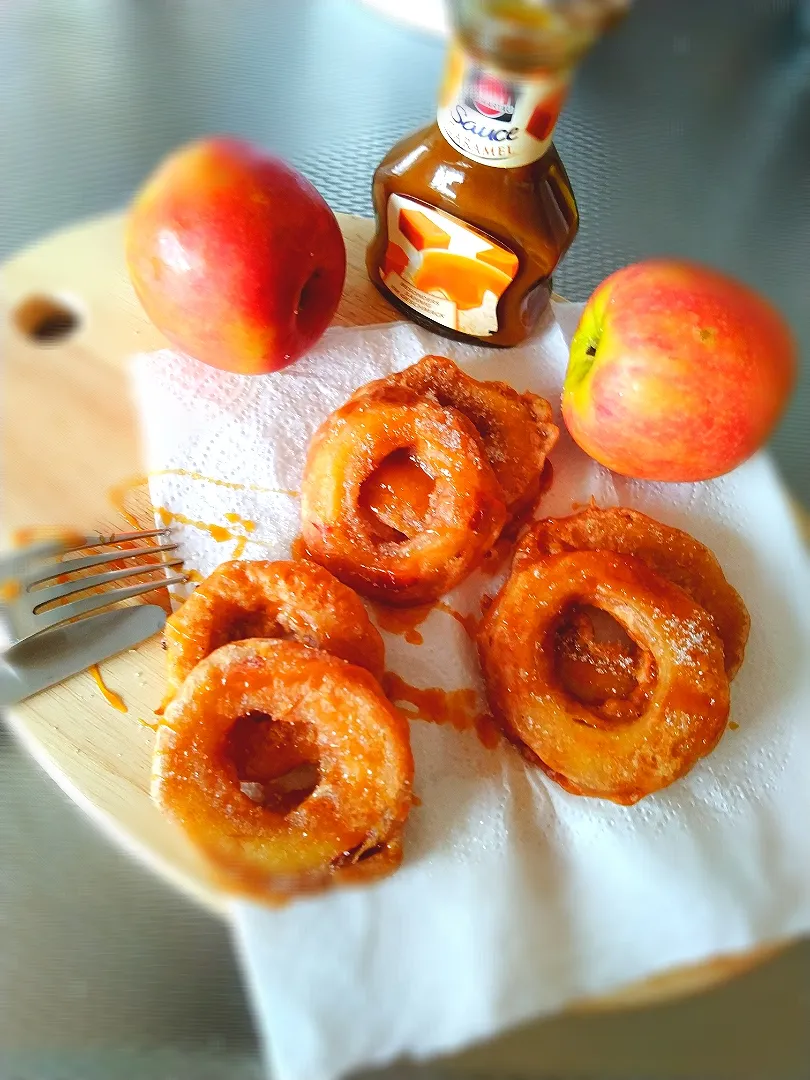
<point>55,569</point>
<point>79,584</point>
<point>92,603</point>
<point>102,539</point>
<point>15,561</point>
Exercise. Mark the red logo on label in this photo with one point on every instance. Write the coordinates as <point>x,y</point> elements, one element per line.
<point>490,96</point>
<point>541,122</point>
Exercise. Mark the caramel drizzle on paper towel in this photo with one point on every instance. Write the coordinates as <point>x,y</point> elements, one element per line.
<point>238,528</point>
<point>458,708</point>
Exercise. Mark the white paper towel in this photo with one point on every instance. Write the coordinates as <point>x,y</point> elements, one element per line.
<point>514,897</point>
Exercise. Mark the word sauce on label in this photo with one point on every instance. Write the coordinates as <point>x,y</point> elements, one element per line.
<point>495,118</point>
<point>443,268</point>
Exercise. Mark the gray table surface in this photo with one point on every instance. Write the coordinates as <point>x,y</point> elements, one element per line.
<point>688,132</point>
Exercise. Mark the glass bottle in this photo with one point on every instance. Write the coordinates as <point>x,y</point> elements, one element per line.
<point>475,211</point>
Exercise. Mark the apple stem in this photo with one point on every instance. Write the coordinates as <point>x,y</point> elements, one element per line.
<point>580,364</point>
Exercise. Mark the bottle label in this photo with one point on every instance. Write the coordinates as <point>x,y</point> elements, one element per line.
<point>496,118</point>
<point>443,268</point>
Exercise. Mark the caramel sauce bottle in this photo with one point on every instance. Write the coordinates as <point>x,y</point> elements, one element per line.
<point>475,211</point>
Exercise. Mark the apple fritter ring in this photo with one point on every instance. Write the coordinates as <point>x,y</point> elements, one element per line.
<point>671,552</point>
<point>295,600</point>
<point>331,714</point>
<point>587,753</point>
<point>464,510</point>
<point>517,430</point>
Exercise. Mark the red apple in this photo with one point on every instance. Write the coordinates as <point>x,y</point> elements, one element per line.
<point>677,372</point>
<point>235,256</point>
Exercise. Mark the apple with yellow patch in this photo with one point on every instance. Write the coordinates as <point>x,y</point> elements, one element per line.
<point>235,256</point>
<point>677,372</point>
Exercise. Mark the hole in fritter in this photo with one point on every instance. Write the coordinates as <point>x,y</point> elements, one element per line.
<point>595,660</point>
<point>45,320</point>
<point>397,494</point>
<point>276,762</point>
<point>238,622</point>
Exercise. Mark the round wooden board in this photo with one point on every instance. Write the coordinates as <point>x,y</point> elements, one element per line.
<point>69,437</point>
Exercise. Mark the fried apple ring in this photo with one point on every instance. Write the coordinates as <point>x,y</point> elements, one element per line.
<point>428,557</point>
<point>584,752</point>
<point>294,600</point>
<point>517,430</point>
<point>671,552</point>
<point>348,827</point>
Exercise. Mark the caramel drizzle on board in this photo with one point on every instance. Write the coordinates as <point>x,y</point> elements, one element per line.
<point>110,696</point>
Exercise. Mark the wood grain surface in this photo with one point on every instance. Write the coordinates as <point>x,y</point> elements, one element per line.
<point>69,440</point>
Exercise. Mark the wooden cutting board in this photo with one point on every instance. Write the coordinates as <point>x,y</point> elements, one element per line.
<point>70,443</point>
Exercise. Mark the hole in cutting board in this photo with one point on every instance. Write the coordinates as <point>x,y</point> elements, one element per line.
<point>45,320</point>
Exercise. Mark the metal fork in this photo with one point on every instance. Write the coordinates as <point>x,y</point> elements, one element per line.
<point>21,609</point>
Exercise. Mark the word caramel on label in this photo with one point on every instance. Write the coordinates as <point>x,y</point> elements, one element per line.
<point>445,269</point>
<point>495,118</point>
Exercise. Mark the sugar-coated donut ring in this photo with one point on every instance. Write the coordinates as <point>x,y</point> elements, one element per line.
<point>618,759</point>
<point>671,552</point>
<point>295,600</point>
<point>464,516</point>
<point>348,827</point>
<point>517,430</point>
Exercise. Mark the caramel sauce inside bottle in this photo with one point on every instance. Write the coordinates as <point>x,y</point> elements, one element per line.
<point>484,273</point>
